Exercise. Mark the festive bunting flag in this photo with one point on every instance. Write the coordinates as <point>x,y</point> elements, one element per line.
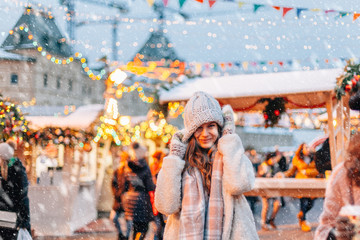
<point>165,2</point>
<point>315,9</point>
<point>240,4</point>
<point>150,2</point>
<point>343,14</point>
<point>257,6</point>
<point>299,10</point>
<point>211,3</point>
<point>286,10</point>
<point>222,65</point>
<point>245,65</point>
<point>276,7</point>
<point>329,11</point>
<point>215,67</point>
<point>198,68</point>
<point>356,15</point>
<point>281,63</point>
<point>181,3</point>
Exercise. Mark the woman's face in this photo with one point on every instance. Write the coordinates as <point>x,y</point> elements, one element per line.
<point>207,134</point>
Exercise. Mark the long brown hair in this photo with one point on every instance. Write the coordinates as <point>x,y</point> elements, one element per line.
<point>4,168</point>
<point>197,157</point>
<point>299,152</point>
<point>352,161</point>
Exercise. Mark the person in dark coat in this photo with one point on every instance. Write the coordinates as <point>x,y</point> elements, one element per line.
<point>13,190</point>
<point>117,186</point>
<point>139,186</point>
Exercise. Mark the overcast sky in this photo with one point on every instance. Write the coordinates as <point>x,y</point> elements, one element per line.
<point>225,33</point>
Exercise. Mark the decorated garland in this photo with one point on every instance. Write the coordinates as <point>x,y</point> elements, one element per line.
<point>273,110</point>
<point>349,81</point>
<point>67,137</point>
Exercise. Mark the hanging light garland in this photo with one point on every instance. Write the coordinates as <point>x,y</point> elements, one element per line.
<point>66,136</point>
<point>54,59</point>
<point>125,134</point>
<point>127,89</point>
<point>175,109</point>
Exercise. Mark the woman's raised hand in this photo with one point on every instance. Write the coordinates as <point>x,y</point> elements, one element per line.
<point>229,125</point>
<point>177,146</point>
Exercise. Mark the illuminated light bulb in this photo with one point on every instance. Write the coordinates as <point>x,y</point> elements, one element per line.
<point>124,120</point>
<point>118,76</point>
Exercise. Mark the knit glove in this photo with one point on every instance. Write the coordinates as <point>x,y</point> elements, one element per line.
<point>177,147</point>
<point>229,125</point>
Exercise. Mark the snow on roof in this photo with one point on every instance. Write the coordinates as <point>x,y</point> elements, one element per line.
<point>13,56</point>
<point>42,110</point>
<point>81,119</point>
<point>302,88</point>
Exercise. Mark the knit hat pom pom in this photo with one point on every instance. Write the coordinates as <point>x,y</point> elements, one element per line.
<point>6,151</point>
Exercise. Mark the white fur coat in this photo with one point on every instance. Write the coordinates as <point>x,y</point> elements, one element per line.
<point>238,177</point>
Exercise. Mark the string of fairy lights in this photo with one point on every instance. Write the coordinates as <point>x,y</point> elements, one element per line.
<point>203,20</point>
<point>123,133</point>
<point>56,60</point>
<point>84,65</point>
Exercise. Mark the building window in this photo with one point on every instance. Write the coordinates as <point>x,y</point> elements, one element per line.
<point>14,78</point>
<point>45,40</point>
<point>70,85</point>
<point>58,83</point>
<point>83,90</point>
<point>89,90</point>
<point>45,80</point>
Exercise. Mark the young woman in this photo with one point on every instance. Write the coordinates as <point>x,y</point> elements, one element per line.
<point>13,190</point>
<point>342,189</point>
<point>303,166</point>
<point>202,180</point>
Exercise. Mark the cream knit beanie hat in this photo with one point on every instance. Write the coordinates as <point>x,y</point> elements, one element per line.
<point>6,151</point>
<point>201,108</point>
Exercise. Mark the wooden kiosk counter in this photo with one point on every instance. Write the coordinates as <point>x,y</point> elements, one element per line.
<point>292,187</point>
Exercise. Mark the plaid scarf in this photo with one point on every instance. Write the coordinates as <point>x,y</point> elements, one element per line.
<point>199,220</point>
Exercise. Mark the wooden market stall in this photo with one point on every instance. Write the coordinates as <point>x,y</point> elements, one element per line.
<point>69,201</point>
<point>299,89</point>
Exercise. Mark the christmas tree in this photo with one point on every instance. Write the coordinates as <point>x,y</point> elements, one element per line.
<point>12,121</point>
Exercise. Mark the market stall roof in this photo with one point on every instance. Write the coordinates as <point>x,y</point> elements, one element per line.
<point>81,119</point>
<point>302,89</point>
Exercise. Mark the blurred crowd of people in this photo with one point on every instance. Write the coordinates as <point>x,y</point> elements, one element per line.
<point>305,162</point>
<point>133,186</point>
